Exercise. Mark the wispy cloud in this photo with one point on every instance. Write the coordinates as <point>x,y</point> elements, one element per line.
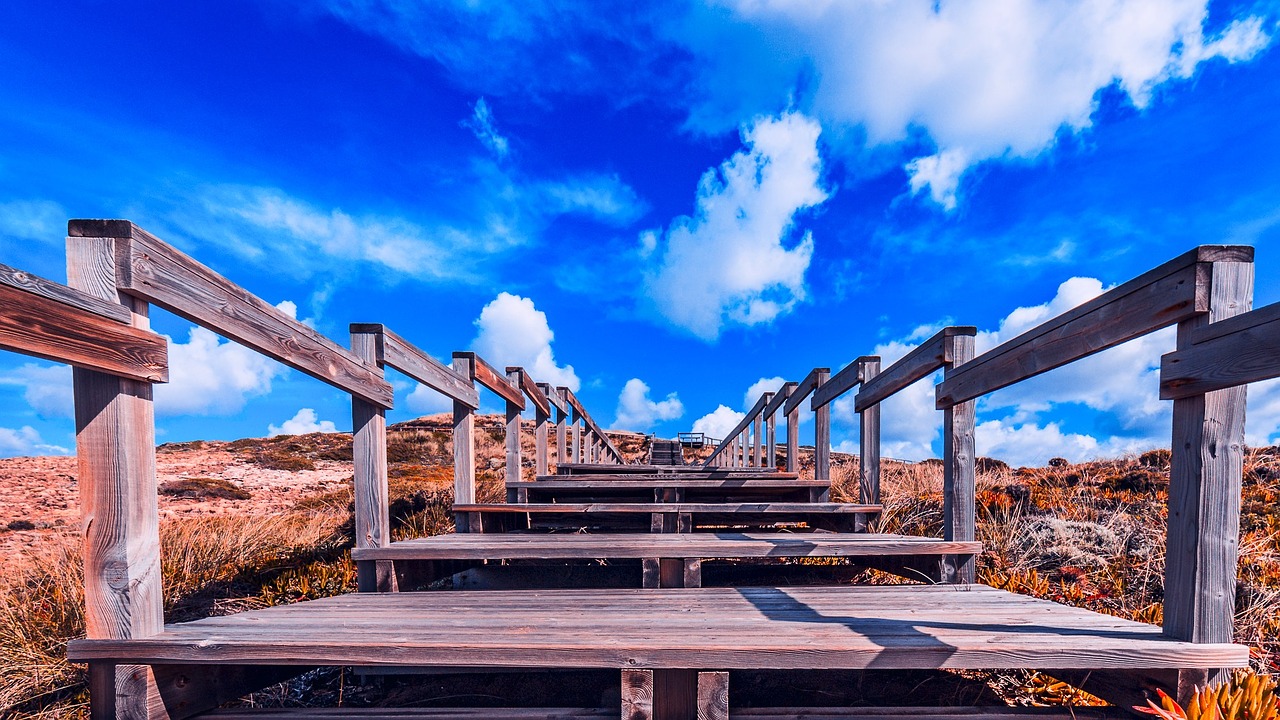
<point>39,220</point>
<point>481,124</point>
<point>26,440</point>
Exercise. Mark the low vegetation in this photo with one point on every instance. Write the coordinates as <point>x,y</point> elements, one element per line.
<point>1088,534</point>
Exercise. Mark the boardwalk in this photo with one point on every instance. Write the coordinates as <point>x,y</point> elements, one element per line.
<point>669,625</point>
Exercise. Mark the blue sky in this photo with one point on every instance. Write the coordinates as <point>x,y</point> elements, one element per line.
<point>669,208</point>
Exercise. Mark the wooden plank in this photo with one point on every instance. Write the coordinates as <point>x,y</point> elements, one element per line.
<point>486,713</point>
<point>369,466</point>
<point>513,475</point>
<point>772,713</point>
<point>840,383</point>
<point>803,389</point>
<point>869,444</point>
<point>401,355</point>
<point>927,358</point>
<point>46,328</point>
<point>771,443</point>
<point>1240,350</point>
<point>522,380</point>
<point>757,428</point>
<point>464,441</point>
<point>606,444</point>
<point>852,627</point>
<point>672,480</point>
<point>959,474</point>
<point>63,295</point>
<point>793,439</point>
<point>554,397</point>
<point>674,507</point>
<point>780,398</point>
<point>822,433</point>
<point>489,377</point>
<point>739,428</point>
<point>1166,295</point>
<point>154,271</point>
<point>1204,486</point>
<point>119,515</point>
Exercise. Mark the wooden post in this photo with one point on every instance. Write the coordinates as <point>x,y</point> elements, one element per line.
<point>674,694</point>
<point>1204,488</point>
<point>116,459</point>
<point>513,438</point>
<point>822,434</point>
<point>756,429</point>
<point>793,440</point>
<point>576,421</point>
<point>541,420</point>
<point>958,473</point>
<point>771,441</point>
<point>464,440</point>
<point>562,429</point>
<point>369,455</point>
<point>869,444</point>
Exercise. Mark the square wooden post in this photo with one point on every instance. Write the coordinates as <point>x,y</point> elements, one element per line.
<point>369,460</point>
<point>562,430</point>
<point>771,441</point>
<point>674,694</point>
<point>822,432</point>
<point>757,428</point>
<point>576,421</point>
<point>958,471</point>
<point>541,421</point>
<point>869,445</point>
<point>513,440</point>
<point>116,460</point>
<point>464,440</point>
<point>793,440</point>
<point>1204,488</point>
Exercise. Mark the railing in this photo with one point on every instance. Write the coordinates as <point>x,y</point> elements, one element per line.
<point>692,439</point>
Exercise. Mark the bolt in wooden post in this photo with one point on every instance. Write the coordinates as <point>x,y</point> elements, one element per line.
<point>822,433</point>
<point>369,460</point>
<point>958,474</point>
<point>464,440</point>
<point>116,460</point>
<point>869,445</point>
<point>1204,487</point>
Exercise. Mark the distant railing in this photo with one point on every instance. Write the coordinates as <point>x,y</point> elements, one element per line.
<point>697,440</point>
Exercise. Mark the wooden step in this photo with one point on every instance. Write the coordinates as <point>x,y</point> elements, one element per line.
<point>859,627</point>
<point>668,488</point>
<point>754,474</point>
<point>864,713</point>
<point>658,517</point>
<point>647,468</point>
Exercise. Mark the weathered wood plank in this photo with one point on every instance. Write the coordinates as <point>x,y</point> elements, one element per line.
<point>1240,350</point>
<point>803,389</point>
<point>840,383</point>
<point>779,398</point>
<point>46,328</point>
<point>822,433</point>
<point>513,475</point>
<point>713,696</point>
<point>154,271</point>
<point>369,465</point>
<point>637,695</point>
<point>489,377</point>
<point>63,295</point>
<point>613,453</point>
<point>116,461</point>
<point>522,380</point>
<point>554,397</point>
<point>869,443</point>
<point>1166,295</point>
<point>403,356</point>
<point>464,441</point>
<point>757,428</point>
<point>926,359</point>
<point>959,473</point>
<point>1204,485</point>
<point>793,439</point>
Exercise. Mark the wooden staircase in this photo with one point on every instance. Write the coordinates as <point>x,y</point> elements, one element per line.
<point>665,452</point>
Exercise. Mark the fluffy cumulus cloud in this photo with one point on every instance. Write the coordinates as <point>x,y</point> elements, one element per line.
<point>637,411</point>
<point>26,441</point>
<point>737,259</point>
<point>760,387</point>
<point>303,422</point>
<point>718,423</point>
<point>512,332</point>
<point>210,376</point>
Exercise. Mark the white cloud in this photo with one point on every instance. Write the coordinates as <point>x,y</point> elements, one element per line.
<point>513,332</point>
<point>982,81</point>
<point>730,262</point>
<point>46,388</point>
<point>1031,444</point>
<point>208,376</point>
<point>305,421</point>
<point>719,423</point>
<point>760,387</point>
<point>427,401</point>
<point>26,441</point>
<point>637,411</point>
<point>1262,420</point>
<point>481,124</point>
<point>39,220</point>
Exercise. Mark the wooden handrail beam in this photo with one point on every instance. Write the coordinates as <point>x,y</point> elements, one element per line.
<point>149,269</point>
<point>779,398</point>
<point>1236,351</point>
<point>595,429</point>
<point>927,358</point>
<point>489,377</point>
<point>803,389</point>
<point>55,322</point>
<point>737,430</point>
<point>554,397</point>
<point>1169,294</point>
<point>530,389</point>
<point>401,355</point>
<point>853,374</point>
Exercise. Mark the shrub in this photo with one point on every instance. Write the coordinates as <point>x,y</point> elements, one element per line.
<point>204,488</point>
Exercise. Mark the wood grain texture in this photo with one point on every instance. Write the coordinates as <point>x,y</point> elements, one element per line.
<point>489,377</point>
<point>562,426</point>
<point>869,443</point>
<point>959,474</point>
<point>369,466</point>
<point>47,328</point>
<point>464,441</point>
<point>555,397</point>
<point>854,627</point>
<point>156,272</point>
<point>63,295</point>
<point>1240,350</point>
<point>840,383</point>
<point>1204,486</point>
<point>771,442</point>
<point>793,440</point>
<point>637,695</point>
<point>521,379</point>
<point>757,430</point>
<point>822,433</point>
<point>1169,294</point>
<point>403,356</point>
<point>513,473</point>
<point>927,358</point>
<point>116,462</point>
<point>713,696</point>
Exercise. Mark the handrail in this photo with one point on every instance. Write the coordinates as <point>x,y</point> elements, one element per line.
<point>530,389</point>
<point>554,397</point>
<point>398,354</point>
<point>843,381</point>
<point>1166,295</point>
<point>1235,351</point>
<point>51,321</point>
<point>594,429</point>
<point>737,429</point>
<point>488,376</point>
<point>925,359</point>
<point>151,270</point>
<point>810,383</point>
